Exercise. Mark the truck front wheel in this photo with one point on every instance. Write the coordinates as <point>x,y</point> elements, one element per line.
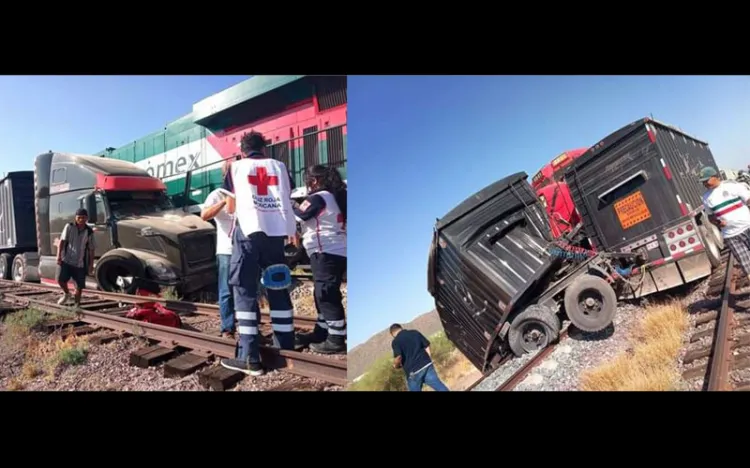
<point>117,273</point>
<point>533,329</point>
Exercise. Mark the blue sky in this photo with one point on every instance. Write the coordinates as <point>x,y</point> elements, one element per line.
<point>85,114</point>
<point>421,144</point>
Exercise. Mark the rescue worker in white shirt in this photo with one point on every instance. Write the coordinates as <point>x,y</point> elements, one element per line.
<point>214,208</point>
<point>262,207</point>
<point>323,219</point>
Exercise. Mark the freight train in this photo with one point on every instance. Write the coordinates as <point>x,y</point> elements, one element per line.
<point>304,119</point>
<point>503,279</point>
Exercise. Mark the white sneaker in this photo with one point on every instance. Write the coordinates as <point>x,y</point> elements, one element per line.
<point>64,299</point>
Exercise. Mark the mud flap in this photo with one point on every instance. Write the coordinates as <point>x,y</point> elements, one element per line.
<point>695,267</point>
<point>667,276</point>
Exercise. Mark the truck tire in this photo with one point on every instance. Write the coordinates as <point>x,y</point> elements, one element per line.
<point>590,303</point>
<point>533,329</point>
<point>717,236</point>
<point>5,266</point>
<point>110,267</point>
<point>712,249</point>
<point>22,271</point>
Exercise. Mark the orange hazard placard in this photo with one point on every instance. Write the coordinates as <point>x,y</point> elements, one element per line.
<point>632,210</point>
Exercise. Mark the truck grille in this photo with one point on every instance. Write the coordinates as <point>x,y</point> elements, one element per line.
<point>198,249</point>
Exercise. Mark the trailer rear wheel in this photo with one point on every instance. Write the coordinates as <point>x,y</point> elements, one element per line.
<point>5,262</point>
<point>712,248</point>
<point>717,236</point>
<point>590,303</point>
<point>533,329</point>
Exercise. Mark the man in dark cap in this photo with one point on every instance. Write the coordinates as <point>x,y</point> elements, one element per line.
<point>726,204</point>
<point>75,256</point>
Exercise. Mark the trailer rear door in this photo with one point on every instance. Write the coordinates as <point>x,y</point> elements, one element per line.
<point>621,190</point>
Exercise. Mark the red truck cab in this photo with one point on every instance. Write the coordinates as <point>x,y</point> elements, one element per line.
<point>554,194</point>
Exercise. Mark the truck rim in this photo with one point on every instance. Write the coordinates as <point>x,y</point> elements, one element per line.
<point>18,272</point>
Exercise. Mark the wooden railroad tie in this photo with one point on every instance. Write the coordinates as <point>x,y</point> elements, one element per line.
<point>219,378</point>
<point>150,356</point>
<point>185,364</point>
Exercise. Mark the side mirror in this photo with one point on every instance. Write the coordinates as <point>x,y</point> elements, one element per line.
<point>90,205</point>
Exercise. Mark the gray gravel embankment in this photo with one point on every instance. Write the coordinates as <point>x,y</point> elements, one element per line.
<point>561,370</point>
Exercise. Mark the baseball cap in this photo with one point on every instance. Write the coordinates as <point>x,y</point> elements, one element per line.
<point>707,172</point>
<point>82,212</point>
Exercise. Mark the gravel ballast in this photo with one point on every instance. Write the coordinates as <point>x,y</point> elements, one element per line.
<point>107,367</point>
<point>579,351</point>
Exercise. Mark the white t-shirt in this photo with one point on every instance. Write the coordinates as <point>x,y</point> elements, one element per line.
<point>728,202</point>
<point>224,222</point>
<point>325,233</point>
<point>262,191</point>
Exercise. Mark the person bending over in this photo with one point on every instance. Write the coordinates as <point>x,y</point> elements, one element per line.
<point>411,351</point>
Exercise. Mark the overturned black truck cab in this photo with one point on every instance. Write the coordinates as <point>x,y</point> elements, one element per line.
<point>502,284</point>
<point>487,254</point>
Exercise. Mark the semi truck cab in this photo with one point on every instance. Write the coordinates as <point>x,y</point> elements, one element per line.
<point>141,238</point>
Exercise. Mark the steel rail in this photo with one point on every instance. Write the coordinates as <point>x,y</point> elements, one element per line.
<point>177,306</point>
<point>306,365</point>
<point>721,360</point>
<point>518,376</point>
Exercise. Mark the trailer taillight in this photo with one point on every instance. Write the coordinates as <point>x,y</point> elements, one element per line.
<point>651,132</point>
<point>681,237</point>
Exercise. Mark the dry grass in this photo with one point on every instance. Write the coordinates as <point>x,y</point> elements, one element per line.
<point>42,354</point>
<point>459,373</point>
<point>20,325</point>
<point>382,377</point>
<point>651,362</point>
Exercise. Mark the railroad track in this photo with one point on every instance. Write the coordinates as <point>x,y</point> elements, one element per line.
<point>719,362</point>
<point>521,373</point>
<point>188,351</point>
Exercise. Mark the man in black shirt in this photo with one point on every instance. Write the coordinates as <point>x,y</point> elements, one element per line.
<point>411,350</point>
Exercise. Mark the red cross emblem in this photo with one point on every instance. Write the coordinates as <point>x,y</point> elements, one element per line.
<point>262,180</point>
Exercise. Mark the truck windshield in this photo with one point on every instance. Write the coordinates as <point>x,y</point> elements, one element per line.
<point>124,204</point>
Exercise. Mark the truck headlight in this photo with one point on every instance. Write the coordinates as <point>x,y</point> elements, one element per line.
<point>159,270</point>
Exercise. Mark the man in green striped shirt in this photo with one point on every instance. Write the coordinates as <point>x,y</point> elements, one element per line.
<point>726,203</point>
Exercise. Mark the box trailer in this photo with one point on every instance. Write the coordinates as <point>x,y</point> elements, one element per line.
<point>637,190</point>
<point>17,221</point>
